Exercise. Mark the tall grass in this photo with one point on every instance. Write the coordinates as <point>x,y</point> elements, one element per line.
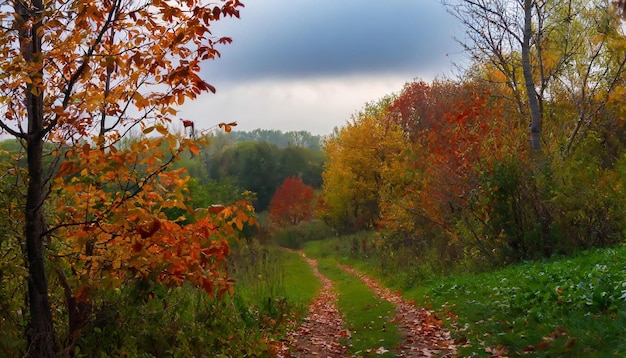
<point>147,319</point>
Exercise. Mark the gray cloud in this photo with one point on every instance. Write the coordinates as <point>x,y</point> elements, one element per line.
<point>312,38</point>
<point>311,64</point>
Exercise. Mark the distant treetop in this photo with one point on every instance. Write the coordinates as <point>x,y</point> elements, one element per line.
<point>302,139</point>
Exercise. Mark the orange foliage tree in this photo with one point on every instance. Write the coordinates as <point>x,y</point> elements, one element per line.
<point>76,77</point>
<point>292,203</point>
<point>458,135</point>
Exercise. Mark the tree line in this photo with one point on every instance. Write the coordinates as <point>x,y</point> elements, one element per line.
<point>449,169</point>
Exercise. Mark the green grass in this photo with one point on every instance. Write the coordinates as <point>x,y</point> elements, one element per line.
<point>267,275</point>
<point>564,307</point>
<point>365,315</point>
<point>573,307</point>
<point>272,285</point>
<point>300,283</point>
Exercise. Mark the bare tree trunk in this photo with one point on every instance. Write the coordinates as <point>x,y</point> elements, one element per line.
<point>533,101</point>
<point>40,331</point>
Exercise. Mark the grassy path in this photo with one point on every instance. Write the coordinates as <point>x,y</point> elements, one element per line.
<point>353,316</point>
<point>422,332</point>
<point>322,331</point>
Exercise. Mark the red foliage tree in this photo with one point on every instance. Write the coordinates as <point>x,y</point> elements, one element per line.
<point>292,203</point>
<point>457,131</point>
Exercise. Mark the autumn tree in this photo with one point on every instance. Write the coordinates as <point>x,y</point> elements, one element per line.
<point>358,154</point>
<point>537,46</point>
<point>443,182</point>
<point>80,75</point>
<point>292,203</point>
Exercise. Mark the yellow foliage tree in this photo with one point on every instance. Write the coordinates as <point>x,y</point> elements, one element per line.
<point>357,155</point>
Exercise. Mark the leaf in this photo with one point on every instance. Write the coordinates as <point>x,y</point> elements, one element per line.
<point>86,149</point>
<point>570,343</point>
<point>227,127</point>
<point>66,168</point>
<point>194,149</point>
<point>161,129</point>
<point>216,208</point>
<point>381,350</point>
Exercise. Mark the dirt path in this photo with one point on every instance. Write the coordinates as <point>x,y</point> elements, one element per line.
<point>322,331</point>
<point>423,335</point>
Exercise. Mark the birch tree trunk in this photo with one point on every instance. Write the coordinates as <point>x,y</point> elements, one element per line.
<point>531,92</point>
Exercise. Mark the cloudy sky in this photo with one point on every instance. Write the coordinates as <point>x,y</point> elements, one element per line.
<point>311,64</point>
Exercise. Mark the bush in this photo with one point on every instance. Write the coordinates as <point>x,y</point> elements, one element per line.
<point>293,237</point>
<point>148,319</point>
<point>587,201</point>
<point>506,220</point>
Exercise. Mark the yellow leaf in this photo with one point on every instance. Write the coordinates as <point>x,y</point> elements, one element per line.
<point>161,129</point>
<point>194,149</point>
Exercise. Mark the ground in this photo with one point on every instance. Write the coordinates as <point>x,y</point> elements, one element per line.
<point>322,332</point>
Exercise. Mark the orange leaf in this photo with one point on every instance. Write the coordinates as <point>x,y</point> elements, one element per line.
<point>65,168</point>
<point>216,208</point>
<point>161,129</point>
<point>86,148</point>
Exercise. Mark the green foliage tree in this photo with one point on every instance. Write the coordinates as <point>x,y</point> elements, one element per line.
<point>261,167</point>
<point>302,139</point>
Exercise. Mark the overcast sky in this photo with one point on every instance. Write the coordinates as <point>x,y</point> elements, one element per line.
<point>311,64</point>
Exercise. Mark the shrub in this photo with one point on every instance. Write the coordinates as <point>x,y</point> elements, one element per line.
<point>293,237</point>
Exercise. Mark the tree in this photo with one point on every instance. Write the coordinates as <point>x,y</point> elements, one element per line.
<point>537,46</point>
<point>255,166</point>
<point>304,163</point>
<point>459,139</point>
<point>261,167</point>
<point>302,139</point>
<point>357,155</point>
<point>292,203</point>
<point>81,74</point>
